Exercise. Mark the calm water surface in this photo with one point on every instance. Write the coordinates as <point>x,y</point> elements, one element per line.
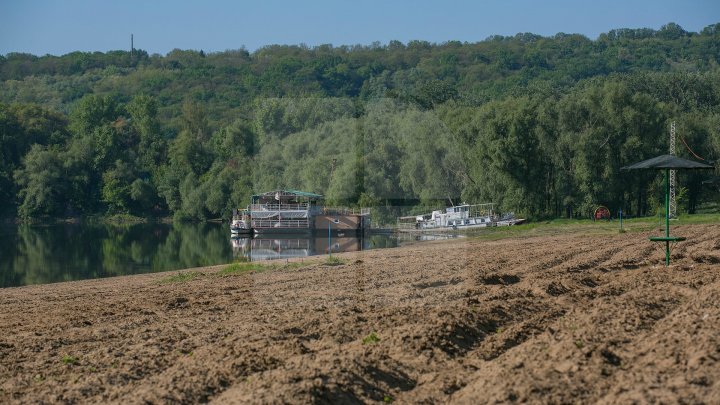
<point>48,254</point>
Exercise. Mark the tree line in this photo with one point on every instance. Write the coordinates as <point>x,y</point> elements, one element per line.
<point>537,125</point>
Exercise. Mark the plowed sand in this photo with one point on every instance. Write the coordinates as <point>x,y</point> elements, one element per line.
<point>551,319</point>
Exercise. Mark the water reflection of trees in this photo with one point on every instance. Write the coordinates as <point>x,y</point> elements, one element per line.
<point>55,253</point>
<point>8,237</point>
<point>192,245</point>
<point>38,255</point>
<point>381,242</point>
<point>47,254</point>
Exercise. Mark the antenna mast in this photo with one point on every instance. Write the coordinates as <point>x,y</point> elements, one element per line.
<point>673,203</point>
<point>132,47</point>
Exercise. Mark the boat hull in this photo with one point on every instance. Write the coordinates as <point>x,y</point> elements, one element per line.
<point>240,232</point>
<point>240,227</point>
<point>510,222</point>
<point>282,231</point>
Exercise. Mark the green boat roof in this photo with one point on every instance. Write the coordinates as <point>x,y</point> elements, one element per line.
<point>290,192</point>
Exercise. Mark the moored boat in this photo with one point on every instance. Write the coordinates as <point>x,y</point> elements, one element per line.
<point>284,211</point>
<point>298,212</point>
<point>464,216</point>
<point>240,224</point>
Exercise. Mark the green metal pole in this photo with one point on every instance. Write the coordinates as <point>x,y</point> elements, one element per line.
<point>329,240</point>
<point>667,217</point>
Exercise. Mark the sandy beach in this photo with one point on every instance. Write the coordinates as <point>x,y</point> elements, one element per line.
<point>564,318</point>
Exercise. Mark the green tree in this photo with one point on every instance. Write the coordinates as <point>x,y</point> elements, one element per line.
<point>151,147</point>
<point>116,189</point>
<point>42,183</point>
<point>91,112</point>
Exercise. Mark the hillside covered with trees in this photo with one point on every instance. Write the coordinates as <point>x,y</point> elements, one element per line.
<point>537,125</point>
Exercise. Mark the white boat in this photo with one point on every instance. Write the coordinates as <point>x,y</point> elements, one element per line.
<point>240,224</point>
<point>464,216</point>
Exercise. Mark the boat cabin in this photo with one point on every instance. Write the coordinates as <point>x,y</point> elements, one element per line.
<point>284,210</point>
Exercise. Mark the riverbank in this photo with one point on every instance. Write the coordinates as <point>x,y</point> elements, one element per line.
<point>557,317</point>
<point>116,219</point>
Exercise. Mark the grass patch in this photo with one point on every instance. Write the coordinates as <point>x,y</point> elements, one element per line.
<point>697,219</point>
<point>181,277</point>
<point>588,227</point>
<point>371,339</point>
<point>68,359</point>
<point>241,268</point>
<point>233,269</point>
<point>334,261</point>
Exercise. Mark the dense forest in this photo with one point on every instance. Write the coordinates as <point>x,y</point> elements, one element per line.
<point>538,125</point>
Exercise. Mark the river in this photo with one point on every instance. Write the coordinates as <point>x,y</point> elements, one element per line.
<point>32,254</point>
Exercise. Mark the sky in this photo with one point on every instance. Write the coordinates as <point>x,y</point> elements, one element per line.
<point>58,27</point>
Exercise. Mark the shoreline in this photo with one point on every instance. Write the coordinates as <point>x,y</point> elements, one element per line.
<point>91,219</point>
<point>538,318</point>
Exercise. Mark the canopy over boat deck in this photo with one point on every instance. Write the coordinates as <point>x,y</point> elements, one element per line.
<point>286,197</point>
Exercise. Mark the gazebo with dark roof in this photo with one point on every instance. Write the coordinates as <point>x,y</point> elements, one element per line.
<point>667,163</point>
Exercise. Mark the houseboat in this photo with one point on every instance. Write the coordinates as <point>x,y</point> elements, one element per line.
<point>300,212</point>
<point>284,211</point>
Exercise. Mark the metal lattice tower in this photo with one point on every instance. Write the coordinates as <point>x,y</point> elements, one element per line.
<point>673,203</point>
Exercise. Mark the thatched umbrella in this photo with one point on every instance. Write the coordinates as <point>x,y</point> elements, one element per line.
<point>667,163</point>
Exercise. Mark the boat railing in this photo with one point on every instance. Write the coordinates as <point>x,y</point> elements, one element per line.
<point>466,214</point>
<point>408,222</point>
<point>309,207</point>
<point>345,211</point>
<point>280,207</point>
<point>480,210</point>
<point>282,223</point>
<point>281,244</point>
